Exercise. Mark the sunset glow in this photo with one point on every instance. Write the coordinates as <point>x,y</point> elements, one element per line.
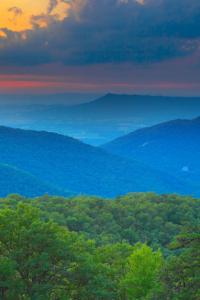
<point>103,45</point>
<point>17,15</point>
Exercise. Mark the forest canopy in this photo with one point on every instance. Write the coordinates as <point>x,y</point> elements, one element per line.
<point>139,246</point>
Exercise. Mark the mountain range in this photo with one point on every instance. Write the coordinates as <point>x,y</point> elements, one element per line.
<point>41,162</point>
<point>160,157</point>
<point>103,119</point>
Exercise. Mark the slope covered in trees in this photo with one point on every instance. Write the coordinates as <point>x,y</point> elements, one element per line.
<point>14,180</point>
<point>70,165</point>
<point>172,147</point>
<point>50,250</point>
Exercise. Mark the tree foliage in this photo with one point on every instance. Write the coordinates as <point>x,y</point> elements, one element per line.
<point>94,249</point>
<point>182,274</point>
<point>141,280</point>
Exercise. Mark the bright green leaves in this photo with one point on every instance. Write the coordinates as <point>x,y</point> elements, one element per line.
<point>143,268</point>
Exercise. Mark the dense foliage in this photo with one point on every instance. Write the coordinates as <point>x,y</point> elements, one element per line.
<point>136,217</point>
<point>94,249</point>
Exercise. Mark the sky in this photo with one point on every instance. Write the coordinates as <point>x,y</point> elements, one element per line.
<point>100,46</point>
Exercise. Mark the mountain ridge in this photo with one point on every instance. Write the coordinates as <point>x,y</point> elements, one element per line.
<point>14,181</point>
<point>71,165</point>
<point>172,147</point>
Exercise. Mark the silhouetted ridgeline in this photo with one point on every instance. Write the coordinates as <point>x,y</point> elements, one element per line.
<point>101,120</point>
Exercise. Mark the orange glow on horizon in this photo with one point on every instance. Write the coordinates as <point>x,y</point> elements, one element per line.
<point>52,84</point>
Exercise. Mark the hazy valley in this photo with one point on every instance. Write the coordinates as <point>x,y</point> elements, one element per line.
<point>96,121</point>
<point>163,158</point>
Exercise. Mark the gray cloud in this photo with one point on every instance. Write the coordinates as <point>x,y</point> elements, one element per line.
<point>52,5</point>
<point>17,11</point>
<point>110,31</point>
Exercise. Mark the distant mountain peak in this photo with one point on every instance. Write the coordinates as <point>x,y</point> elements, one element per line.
<point>115,95</point>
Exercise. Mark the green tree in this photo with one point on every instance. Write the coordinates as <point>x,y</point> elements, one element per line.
<point>141,281</point>
<point>36,257</point>
<point>111,268</point>
<point>181,276</point>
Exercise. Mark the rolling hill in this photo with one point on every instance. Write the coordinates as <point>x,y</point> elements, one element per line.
<point>70,165</point>
<point>172,147</point>
<point>16,181</point>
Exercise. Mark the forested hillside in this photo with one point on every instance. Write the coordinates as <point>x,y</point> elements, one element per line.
<point>139,246</point>
<point>67,164</point>
<point>14,180</point>
<point>172,147</point>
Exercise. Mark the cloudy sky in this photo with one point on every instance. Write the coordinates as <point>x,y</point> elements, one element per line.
<point>97,46</point>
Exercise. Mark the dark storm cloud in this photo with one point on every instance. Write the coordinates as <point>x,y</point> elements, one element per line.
<point>109,31</point>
